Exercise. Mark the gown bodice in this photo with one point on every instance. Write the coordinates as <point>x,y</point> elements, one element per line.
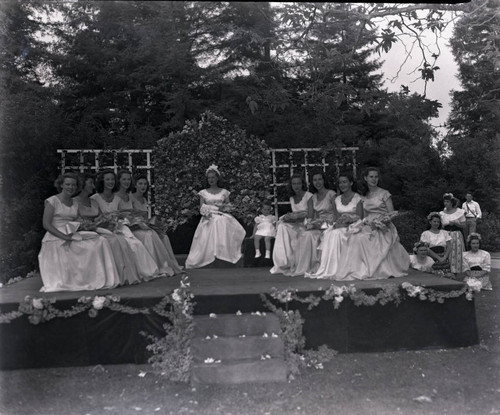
<point>325,205</point>
<point>64,218</point>
<point>350,208</point>
<point>140,206</point>
<point>302,205</point>
<point>216,199</point>
<point>107,207</point>
<point>88,212</point>
<point>374,203</point>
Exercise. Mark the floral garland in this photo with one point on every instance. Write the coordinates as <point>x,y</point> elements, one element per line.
<point>171,354</point>
<point>387,294</point>
<point>296,357</point>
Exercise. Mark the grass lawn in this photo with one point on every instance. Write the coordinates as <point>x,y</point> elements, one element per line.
<point>440,381</point>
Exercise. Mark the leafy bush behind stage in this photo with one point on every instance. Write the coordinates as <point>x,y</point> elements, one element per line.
<point>181,160</point>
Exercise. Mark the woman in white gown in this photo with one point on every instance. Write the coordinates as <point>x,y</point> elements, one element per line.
<point>140,204</point>
<point>218,235</point>
<point>141,231</point>
<point>71,260</point>
<point>348,209</point>
<point>373,252</point>
<point>320,211</point>
<point>109,203</point>
<point>88,213</point>
<point>290,227</point>
<point>453,221</point>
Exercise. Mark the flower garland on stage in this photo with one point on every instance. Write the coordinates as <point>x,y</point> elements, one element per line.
<point>171,354</point>
<point>390,293</point>
<point>40,309</point>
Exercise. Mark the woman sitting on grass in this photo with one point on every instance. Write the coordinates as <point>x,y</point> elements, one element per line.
<point>476,262</point>
<point>421,261</point>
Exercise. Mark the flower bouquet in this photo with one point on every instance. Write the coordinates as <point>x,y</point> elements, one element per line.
<point>345,220</point>
<point>87,225</point>
<point>293,217</point>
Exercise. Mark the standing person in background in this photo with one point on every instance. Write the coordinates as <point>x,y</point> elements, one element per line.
<point>453,221</point>
<point>472,214</point>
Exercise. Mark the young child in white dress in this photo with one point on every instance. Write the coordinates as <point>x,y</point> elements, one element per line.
<point>264,227</point>
<point>421,260</point>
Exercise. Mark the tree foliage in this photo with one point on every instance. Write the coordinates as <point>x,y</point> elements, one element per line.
<point>474,122</point>
<point>124,74</point>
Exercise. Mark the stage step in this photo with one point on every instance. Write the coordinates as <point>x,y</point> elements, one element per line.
<point>237,348</point>
<point>233,325</point>
<point>236,372</point>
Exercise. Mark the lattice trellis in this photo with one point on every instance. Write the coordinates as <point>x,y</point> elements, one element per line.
<point>94,160</point>
<point>284,162</point>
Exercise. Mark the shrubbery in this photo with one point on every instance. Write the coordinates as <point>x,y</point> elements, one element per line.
<point>181,159</point>
<point>410,226</point>
<point>489,228</point>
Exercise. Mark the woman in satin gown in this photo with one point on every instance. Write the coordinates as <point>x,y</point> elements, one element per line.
<point>218,235</point>
<point>320,212</point>
<point>373,253</point>
<point>141,231</point>
<point>290,226</point>
<point>348,209</point>
<point>109,203</point>
<point>70,260</point>
<point>140,204</point>
<point>88,213</point>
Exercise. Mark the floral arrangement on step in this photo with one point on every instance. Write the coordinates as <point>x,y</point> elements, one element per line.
<point>171,354</point>
<point>291,323</point>
<point>181,159</point>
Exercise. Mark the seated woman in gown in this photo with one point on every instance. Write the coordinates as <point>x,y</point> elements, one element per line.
<point>477,263</point>
<point>109,203</point>
<point>439,243</point>
<point>453,221</point>
<point>140,205</point>
<point>290,226</point>
<point>348,209</point>
<point>420,260</point>
<point>141,231</point>
<point>372,248</point>
<point>218,235</point>
<point>71,260</point>
<point>320,213</point>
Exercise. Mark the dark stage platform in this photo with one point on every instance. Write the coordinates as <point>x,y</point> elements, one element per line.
<point>113,337</point>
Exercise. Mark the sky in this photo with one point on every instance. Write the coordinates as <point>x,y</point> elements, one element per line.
<point>445,78</point>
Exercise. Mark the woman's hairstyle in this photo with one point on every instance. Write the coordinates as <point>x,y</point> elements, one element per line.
<point>267,202</point>
<point>419,244</point>
<point>83,179</point>
<point>68,175</point>
<point>119,175</point>
<point>349,176</point>
<point>433,215</point>
<point>451,198</point>
<point>367,171</point>
<point>326,183</point>
<point>473,237</point>
<point>99,184</point>
<point>296,176</point>
<point>140,176</point>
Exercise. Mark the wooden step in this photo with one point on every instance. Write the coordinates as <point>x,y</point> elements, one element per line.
<point>239,371</point>
<point>232,325</point>
<point>232,348</point>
